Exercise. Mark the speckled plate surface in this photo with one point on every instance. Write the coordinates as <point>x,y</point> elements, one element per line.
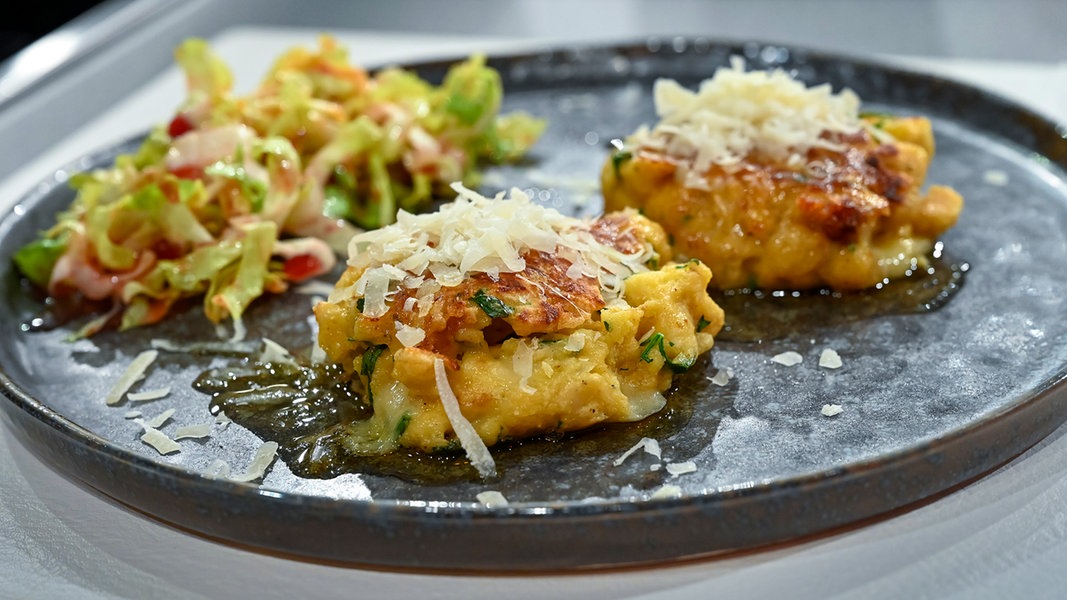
<point>930,400</point>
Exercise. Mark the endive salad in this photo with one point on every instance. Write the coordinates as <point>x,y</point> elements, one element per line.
<point>239,195</point>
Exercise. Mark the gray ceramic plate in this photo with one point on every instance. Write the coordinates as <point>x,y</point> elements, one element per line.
<point>931,399</point>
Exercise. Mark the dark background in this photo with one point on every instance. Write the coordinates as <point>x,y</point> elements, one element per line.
<point>20,28</point>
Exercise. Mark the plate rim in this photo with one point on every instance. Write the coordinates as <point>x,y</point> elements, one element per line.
<point>25,402</point>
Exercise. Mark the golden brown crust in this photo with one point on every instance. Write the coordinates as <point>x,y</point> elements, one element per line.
<point>562,360</point>
<point>827,222</point>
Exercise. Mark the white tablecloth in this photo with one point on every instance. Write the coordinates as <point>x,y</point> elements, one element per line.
<point>1004,536</point>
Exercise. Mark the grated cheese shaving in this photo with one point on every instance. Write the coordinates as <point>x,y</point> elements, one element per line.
<point>492,499</point>
<point>476,234</point>
<point>681,468</point>
<point>736,113</point>
<point>649,445</point>
<point>995,177</point>
<point>722,377</point>
<point>472,443</point>
<point>273,352</point>
<point>198,347</point>
<point>134,372</point>
<point>788,359</point>
<point>156,438</point>
<point>160,441</point>
<point>217,469</point>
<point>667,491</point>
<point>408,335</point>
<point>258,467</point>
<point>830,359</point>
<point>239,331</point>
<point>575,342</point>
<point>522,363</point>
<point>159,420</point>
<point>147,395</point>
<point>199,431</point>
<point>314,288</point>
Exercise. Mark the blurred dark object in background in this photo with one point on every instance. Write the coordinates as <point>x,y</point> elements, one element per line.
<point>20,28</point>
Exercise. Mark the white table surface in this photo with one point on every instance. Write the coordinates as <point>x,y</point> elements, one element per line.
<point>1004,536</point>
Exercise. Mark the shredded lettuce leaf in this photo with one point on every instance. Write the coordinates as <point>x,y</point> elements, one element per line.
<point>319,149</point>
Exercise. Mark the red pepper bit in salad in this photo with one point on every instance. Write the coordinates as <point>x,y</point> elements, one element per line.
<point>302,267</point>
<point>179,126</point>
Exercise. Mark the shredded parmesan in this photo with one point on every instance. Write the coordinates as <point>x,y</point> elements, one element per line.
<point>160,441</point>
<point>314,288</point>
<point>205,347</point>
<point>239,331</point>
<point>681,468</point>
<point>830,359</point>
<point>318,355</point>
<point>258,467</point>
<point>198,431</point>
<point>475,234</point>
<point>788,359</point>
<point>156,438</point>
<point>469,439</point>
<point>492,499</point>
<point>649,445</point>
<point>722,377</point>
<point>575,342</point>
<point>736,113</point>
<point>217,469</point>
<point>134,372</point>
<point>407,335</point>
<point>273,352</point>
<point>160,419</point>
<point>147,395</point>
<point>522,363</point>
<point>995,177</point>
<point>667,491</point>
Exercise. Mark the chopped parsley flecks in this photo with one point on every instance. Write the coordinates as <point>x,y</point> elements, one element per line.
<point>655,342</point>
<point>491,305</point>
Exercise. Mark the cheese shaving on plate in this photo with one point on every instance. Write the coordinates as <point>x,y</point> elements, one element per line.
<point>258,467</point>
<point>830,359</point>
<point>788,359</point>
<point>273,352</point>
<point>681,468</point>
<point>147,395</point>
<point>160,441</point>
<point>134,372</point>
<point>198,431</point>
<point>492,499</point>
<point>649,445</point>
<point>722,377</point>
<point>217,469</point>
<point>156,438</point>
<point>667,491</point>
<point>161,419</point>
